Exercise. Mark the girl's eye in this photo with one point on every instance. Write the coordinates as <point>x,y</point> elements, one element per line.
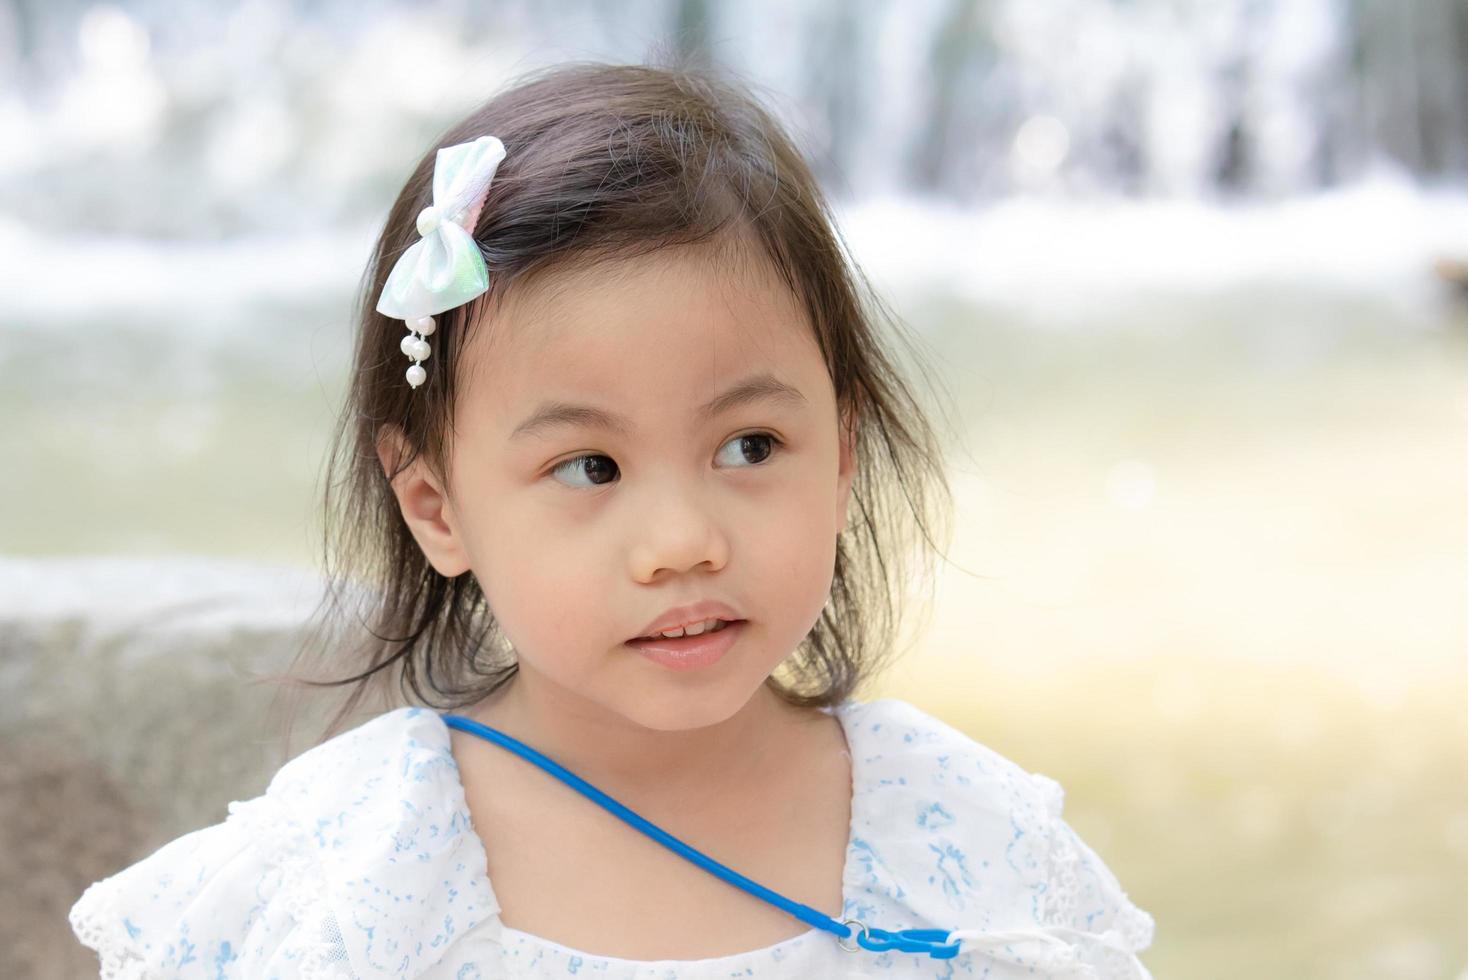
<point>601,470</point>
<point>605,464</point>
<point>750,443</point>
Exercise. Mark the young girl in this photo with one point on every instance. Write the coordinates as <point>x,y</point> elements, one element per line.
<point>648,453</point>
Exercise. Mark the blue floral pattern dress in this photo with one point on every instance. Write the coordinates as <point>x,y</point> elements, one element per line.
<point>360,862</point>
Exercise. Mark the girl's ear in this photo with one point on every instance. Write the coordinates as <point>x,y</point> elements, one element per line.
<point>846,466</point>
<point>423,503</point>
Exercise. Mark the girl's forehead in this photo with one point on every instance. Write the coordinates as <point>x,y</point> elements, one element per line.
<point>648,317</point>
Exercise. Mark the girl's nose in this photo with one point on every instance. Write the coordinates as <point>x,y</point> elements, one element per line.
<point>679,533</point>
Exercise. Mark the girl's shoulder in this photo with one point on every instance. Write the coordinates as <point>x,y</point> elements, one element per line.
<point>948,831</point>
<point>358,860</point>
<point>906,750</point>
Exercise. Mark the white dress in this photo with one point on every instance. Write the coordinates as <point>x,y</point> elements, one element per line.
<point>359,862</point>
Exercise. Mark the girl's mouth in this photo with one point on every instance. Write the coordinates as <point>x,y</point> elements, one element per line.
<point>690,652</point>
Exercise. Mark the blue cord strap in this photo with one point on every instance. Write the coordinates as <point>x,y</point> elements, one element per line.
<point>934,942</point>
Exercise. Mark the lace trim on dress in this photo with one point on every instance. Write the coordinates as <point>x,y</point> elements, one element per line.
<point>98,924</point>
<point>1060,956</point>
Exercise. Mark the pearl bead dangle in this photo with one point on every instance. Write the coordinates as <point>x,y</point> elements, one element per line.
<point>417,348</point>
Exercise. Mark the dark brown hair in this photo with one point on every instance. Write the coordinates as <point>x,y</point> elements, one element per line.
<point>603,162</point>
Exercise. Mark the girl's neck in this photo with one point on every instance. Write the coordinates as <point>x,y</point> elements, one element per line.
<point>635,763</point>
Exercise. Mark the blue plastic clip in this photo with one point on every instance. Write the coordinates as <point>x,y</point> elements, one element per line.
<point>934,942</point>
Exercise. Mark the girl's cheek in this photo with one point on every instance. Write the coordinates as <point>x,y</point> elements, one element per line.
<point>795,544</point>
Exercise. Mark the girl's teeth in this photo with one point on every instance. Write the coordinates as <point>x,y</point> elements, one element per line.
<point>707,626</point>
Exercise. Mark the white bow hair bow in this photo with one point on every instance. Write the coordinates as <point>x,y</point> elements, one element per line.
<point>444,268</point>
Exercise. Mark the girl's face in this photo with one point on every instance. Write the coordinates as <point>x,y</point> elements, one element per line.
<point>582,533</point>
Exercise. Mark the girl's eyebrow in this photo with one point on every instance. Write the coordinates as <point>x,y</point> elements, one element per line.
<point>553,414</point>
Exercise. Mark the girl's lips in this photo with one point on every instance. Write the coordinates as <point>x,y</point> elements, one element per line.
<point>690,652</point>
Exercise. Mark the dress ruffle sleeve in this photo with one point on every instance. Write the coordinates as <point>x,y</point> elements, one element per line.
<point>1089,929</point>
<point>1023,896</point>
<point>357,863</point>
<point>230,900</point>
